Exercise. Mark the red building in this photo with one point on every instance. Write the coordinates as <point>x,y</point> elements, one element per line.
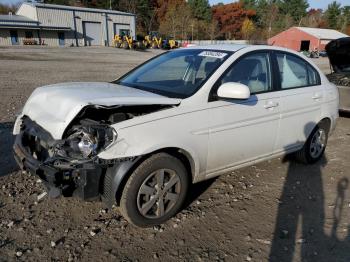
<point>305,38</point>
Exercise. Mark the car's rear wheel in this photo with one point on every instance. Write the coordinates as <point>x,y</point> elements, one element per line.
<point>315,145</point>
<point>155,191</point>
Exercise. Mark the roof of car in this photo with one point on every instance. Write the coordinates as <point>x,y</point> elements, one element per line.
<point>221,47</point>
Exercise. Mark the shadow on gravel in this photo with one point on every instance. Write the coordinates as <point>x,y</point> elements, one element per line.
<point>196,190</point>
<point>301,211</point>
<point>301,203</point>
<point>7,161</point>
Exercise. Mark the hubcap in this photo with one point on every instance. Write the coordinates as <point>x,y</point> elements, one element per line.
<point>318,143</point>
<point>158,193</point>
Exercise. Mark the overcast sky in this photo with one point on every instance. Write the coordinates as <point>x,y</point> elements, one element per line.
<point>313,3</point>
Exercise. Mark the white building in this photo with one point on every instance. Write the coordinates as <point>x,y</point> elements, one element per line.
<point>58,25</point>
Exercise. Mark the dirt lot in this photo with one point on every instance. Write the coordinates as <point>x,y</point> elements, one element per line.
<point>273,211</point>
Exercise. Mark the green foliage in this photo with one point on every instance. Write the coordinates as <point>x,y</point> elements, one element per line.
<point>200,9</point>
<point>344,19</point>
<point>250,4</point>
<point>296,9</point>
<point>332,13</point>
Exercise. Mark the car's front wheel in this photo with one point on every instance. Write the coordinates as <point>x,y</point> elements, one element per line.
<point>155,191</point>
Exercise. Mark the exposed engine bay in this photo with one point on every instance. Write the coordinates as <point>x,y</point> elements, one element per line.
<point>88,134</point>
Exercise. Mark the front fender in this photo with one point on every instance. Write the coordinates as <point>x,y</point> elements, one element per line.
<point>191,155</point>
<point>113,180</point>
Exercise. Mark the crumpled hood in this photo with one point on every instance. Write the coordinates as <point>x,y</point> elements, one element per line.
<point>54,106</point>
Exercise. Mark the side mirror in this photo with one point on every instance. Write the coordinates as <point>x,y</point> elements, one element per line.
<point>233,90</point>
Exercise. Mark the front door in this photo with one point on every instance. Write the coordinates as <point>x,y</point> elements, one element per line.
<point>14,37</point>
<point>244,130</point>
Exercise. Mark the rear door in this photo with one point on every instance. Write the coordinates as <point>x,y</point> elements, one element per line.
<point>241,131</point>
<point>301,96</point>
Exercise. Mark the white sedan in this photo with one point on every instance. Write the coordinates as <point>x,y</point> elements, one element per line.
<point>180,118</point>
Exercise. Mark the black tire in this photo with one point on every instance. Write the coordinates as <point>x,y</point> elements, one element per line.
<point>131,197</point>
<point>306,155</point>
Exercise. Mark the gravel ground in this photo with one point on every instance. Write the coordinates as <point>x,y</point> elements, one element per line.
<point>274,211</point>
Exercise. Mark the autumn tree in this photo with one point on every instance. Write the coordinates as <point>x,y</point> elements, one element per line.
<point>248,28</point>
<point>212,30</point>
<point>177,20</point>
<point>314,18</point>
<point>230,19</point>
<point>163,7</point>
<point>5,9</point>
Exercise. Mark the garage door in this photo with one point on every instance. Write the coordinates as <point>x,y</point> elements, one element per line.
<point>92,33</point>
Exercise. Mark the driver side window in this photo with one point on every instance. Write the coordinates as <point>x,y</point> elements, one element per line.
<point>253,71</point>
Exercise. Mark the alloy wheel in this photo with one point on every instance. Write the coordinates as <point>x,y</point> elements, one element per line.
<point>158,193</point>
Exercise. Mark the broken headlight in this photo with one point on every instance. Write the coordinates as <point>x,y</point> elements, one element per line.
<point>86,141</point>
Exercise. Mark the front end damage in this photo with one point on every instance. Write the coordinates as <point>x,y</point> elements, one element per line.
<point>70,166</point>
<point>58,163</point>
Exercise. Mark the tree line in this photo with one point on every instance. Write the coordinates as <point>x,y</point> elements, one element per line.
<point>196,19</point>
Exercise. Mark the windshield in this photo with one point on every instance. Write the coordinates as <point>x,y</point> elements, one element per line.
<point>176,74</point>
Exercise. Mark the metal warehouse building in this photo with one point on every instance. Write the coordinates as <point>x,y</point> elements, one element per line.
<point>58,25</point>
<point>305,38</point>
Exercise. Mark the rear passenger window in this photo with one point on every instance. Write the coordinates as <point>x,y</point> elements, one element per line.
<point>295,72</point>
<point>313,76</point>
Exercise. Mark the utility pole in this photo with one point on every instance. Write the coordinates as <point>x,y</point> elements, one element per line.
<point>192,25</point>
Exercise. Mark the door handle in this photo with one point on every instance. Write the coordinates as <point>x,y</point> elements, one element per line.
<point>271,104</point>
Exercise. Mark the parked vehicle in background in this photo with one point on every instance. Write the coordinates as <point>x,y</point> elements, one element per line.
<point>323,54</point>
<point>314,54</point>
<point>184,116</point>
<point>338,52</point>
<point>305,53</point>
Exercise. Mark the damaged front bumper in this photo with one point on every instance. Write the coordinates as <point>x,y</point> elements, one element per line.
<point>60,176</point>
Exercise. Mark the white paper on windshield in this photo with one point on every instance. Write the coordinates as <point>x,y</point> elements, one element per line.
<point>213,54</point>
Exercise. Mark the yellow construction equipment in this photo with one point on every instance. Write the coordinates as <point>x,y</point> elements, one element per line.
<point>117,41</point>
<point>173,44</point>
<point>127,42</point>
<point>147,42</point>
<point>156,42</point>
